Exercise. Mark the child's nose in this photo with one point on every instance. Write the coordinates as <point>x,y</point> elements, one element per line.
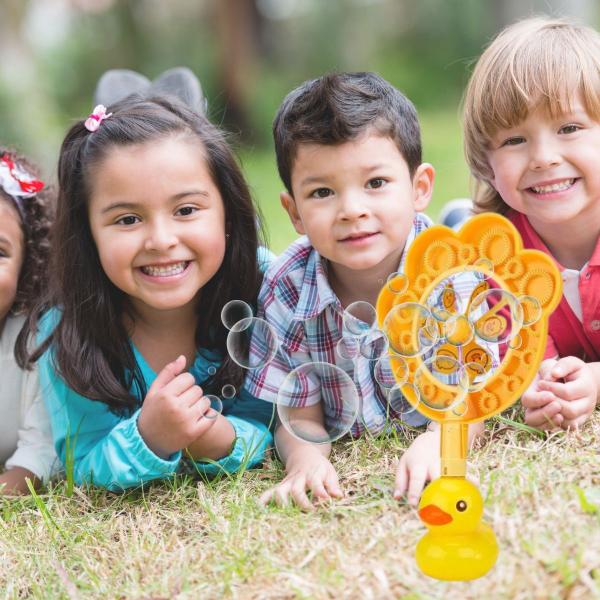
<point>160,237</point>
<point>353,207</point>
<point>543,156</point>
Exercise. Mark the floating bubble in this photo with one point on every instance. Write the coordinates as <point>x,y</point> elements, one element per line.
<point>397,283</point>
<point>228,391</point>
<point>479,364</point>
<point>338,398</point>
<point>390,370</point>
<point>460,409</point>
<point>403,400</point>
<point>252,343</point>
<point>359,318</point>
<point>532,309</point>
<point>441,389</point>
<point>515,342</point>
<point>212,370</point>
<point>374,347</point>
<point>484,264</point>
<point>216,407</point>
<point>411,329</point>
<point>458,330</point>
<point>347,347</point>
<point>496,315</point>
<point>235,311</point>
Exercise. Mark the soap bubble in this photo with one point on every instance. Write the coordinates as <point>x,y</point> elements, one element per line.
<point>411,329</point>
<point>359,318</point>
<point>460,409</point>
<point>235,311</point>
<point>338,398</point>
<point>397,283</point>
<point>479,364</point>
<point>228,391</point>
<point>484,264</point>
<point>458,330</point>
<point>347,347</point>
<point>496,315</point>
<point>442,383</point>
<point>532,309</point>
<point>216,407</point>
<point>374,347</point>
<point>390,370</point>
<point>252,343</point>
<point>515,342</point>
<point>398,400</point>
<point>212,370</point>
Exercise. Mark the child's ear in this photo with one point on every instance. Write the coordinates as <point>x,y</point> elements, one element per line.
<point>289,204</point>
<point>423,186</point>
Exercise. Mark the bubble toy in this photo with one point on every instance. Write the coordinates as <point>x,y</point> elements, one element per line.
<point>470,322</point>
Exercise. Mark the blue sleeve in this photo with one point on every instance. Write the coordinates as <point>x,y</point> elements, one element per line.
<point>252,421</point>
<point>106,450</point>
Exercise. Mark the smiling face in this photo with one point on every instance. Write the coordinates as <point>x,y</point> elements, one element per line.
<point>11,256</point>
<point>356,201</point>
<point>547,168</point>
<point>158,222</point>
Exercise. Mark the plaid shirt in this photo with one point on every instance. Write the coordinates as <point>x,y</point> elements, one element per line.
<point>297,300</point>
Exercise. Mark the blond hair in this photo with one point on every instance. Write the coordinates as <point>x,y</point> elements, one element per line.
<point>537,62</point>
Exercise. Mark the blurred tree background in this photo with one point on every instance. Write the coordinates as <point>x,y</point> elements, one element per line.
<point>248,54</point>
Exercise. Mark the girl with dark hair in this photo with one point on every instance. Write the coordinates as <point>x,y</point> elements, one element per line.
<point>155,232</point>
<point>25,213</point>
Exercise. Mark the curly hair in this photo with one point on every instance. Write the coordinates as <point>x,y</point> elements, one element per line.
<point>36,218</point>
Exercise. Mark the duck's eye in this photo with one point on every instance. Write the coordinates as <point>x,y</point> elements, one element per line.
<point>461,506</point>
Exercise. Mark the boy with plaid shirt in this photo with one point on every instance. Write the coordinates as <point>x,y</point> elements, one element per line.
<point>349,154</point>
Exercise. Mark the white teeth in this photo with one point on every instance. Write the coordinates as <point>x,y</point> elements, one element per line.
<point>167,271</point>
<point>555,187</point>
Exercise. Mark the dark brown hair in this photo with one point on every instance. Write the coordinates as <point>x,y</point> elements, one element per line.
<point>339,107</point>
<point>35,213</point>
<point>91,348</point>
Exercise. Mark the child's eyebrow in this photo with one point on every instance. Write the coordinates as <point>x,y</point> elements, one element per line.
<point>137,205</point>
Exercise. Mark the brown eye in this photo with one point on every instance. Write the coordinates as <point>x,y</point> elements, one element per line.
<point>461,506</point>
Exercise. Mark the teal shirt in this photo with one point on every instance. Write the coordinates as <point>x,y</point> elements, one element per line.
<point>109,451</point>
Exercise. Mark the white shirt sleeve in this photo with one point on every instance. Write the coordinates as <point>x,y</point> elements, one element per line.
<point>35,449</point>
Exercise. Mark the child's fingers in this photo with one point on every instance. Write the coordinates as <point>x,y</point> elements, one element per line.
<point>581,407</point>
<point>574,424</point>
<point>401,480</point>
<point>298,493</point>
<point>179,384</point>
<point>533,400</point>
<point>332,484</point>
<point>168,373</point>
<point>567,367</point>
<point>416,483</point>
<point>317,488</point>
<point>572,390</point>
<point>546,367</point>
<point>544,418</point>
<point>190,396</point>
<point>267,497</point>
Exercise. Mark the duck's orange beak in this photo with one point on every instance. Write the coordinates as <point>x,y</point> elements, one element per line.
<point>434,515</point>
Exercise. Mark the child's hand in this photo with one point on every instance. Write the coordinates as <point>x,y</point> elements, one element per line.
<point>306,470</point>
<point>173,411</point>
<point>573,384</point>
<point>418,465</point>
<point>542,407</point>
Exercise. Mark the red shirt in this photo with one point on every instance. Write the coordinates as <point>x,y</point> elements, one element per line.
<point>567,335</point>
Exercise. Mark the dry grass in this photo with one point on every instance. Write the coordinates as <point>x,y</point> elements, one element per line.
<point>190,539</point>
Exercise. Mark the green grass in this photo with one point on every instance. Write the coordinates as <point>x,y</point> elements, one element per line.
<point>186,539</point>
<point>442,145</point>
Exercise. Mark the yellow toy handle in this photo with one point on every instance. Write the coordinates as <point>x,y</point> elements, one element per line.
<point>454,447</point>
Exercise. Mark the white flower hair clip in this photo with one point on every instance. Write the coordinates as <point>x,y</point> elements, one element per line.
<point>93,122</point>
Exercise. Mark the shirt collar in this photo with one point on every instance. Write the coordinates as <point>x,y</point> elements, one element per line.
<point>316,293</point>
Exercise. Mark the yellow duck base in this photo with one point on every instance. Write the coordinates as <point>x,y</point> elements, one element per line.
<point>460,557</point>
